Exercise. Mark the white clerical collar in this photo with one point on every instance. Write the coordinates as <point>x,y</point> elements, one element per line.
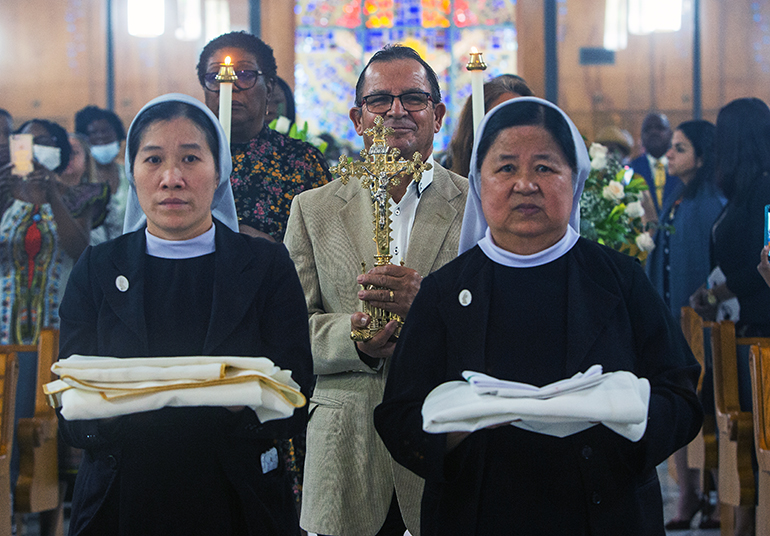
<point>512,260</point>
<point>181,249</point>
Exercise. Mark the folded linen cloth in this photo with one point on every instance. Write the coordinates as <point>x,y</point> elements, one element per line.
<point>618,400</point>
<point>92,387</point>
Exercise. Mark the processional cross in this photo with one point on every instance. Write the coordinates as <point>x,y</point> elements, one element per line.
<point>380,169</point>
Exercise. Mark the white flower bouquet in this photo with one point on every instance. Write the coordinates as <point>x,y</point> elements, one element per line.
<point>610,207</point>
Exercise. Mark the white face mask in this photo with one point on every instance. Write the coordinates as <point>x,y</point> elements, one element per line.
<point>104,154</point>
<point>48,157</point>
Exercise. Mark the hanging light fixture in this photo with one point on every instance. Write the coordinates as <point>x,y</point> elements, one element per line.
<point>647,16</point>
<point>189,20</point>
<point>217,18</point>
<point>146,18</point>
<point>616,24</point>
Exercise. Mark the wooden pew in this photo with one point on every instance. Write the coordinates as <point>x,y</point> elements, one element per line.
<point>9,373</point>
<point>37,489</point>
<point>760,388</point>
<point>702,452</point>
<point>736,427</point>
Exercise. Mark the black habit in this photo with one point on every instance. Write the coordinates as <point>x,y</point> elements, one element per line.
<point>185,471</point>
<point>540,325</point>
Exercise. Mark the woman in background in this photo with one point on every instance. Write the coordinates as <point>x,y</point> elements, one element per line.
<point>105,132</point>
<point>743,174</point>
<point>499,89</point>
<point>680,263</point>
<point>281,103</point>
<point>44,229</point>
<point>269,168</point>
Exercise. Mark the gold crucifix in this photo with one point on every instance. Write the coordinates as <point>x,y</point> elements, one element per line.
<point>380,169</point>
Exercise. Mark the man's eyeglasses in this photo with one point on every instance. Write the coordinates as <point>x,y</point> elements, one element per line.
<point>381,103</point>
<point>246,80</point>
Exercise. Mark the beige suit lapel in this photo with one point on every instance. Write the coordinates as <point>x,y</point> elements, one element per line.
<point>356,218</point>
<point>434,217</point>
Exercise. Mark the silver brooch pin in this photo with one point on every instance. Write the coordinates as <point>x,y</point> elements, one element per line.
<point>465,297</point>
<point>122,283</point>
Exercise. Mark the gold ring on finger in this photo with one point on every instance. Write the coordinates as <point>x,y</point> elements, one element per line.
<point>392,297</point>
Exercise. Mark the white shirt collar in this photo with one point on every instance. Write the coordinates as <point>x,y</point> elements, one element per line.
<point>404,212</point>
<point>512,260</point>
<point>181,249</point>
<point>653,161</point>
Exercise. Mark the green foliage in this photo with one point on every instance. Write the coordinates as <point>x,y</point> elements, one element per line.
<point>610,207</point>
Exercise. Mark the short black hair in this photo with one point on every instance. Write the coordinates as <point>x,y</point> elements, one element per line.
<point>244,41</point>
<point>89,114</point>
<point>166,111</point>
<point>526,114</point>
<point>59,135</point>
<point>399,52</point>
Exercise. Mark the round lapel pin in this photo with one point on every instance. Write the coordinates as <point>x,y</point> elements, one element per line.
<point>122,283</point>
<point>465,297</point>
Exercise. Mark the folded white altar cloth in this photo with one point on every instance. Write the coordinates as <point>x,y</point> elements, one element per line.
<point>618,400</point>
<point>92,387</point>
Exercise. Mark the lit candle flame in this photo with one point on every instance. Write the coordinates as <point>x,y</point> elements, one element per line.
<point>474,50</point>
<point>227,60</point>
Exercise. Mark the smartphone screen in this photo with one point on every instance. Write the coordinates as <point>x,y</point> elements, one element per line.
<point>21,154</point>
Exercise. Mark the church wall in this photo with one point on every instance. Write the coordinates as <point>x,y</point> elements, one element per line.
<point>53,59</point>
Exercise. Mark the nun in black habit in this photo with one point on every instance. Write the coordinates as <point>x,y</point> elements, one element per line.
<point>183,282</point>
<point>529,300</point>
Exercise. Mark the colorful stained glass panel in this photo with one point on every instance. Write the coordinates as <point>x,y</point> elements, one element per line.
<point>498,47</point>
<point>320,13</point>
<point>435,13</point>
<point>325,74</point>
<point>379,13</point>
<point>484,12</point>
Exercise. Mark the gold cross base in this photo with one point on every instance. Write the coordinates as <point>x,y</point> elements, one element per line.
<point>380,318</point>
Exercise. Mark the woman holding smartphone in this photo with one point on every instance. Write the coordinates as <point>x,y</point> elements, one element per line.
<point>743,174</point>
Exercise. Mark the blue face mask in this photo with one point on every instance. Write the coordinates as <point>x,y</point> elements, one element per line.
<point>48,157</point>
<point>104,154</point>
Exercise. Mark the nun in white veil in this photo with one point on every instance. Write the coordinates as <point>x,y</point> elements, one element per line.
<point>529,300</point>
<point>181,281</point>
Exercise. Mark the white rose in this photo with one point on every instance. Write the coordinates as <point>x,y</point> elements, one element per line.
<point>645,242</point>
<point>635,210</point>
<point>614,191</point>
<point>597,149</point>
<point>600,162</point>
<point>282,125</point>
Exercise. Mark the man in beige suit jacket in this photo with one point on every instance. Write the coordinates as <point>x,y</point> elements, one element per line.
<point>352,487</point>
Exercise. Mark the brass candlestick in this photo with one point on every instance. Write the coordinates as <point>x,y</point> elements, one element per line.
<point>226,72</point>
<point>476,61</point>
<point>380,169</point>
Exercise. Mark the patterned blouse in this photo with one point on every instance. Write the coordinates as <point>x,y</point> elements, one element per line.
<point>34,268</point>
<point>268,172</point>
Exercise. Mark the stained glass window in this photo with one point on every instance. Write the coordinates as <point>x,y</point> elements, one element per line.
<point>334,40</point>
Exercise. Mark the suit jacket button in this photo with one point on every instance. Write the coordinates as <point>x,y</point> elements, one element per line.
<point>596,498</point>
<point>586,452</point>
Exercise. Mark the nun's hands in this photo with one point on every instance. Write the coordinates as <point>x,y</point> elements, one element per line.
<point>400,286</point>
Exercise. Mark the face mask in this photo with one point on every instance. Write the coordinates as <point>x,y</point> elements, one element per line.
<point>104,154</point>
<point>48,157</point>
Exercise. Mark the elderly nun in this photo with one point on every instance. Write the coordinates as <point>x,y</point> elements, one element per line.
<point>529,300</point>
<point>183,282</point>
